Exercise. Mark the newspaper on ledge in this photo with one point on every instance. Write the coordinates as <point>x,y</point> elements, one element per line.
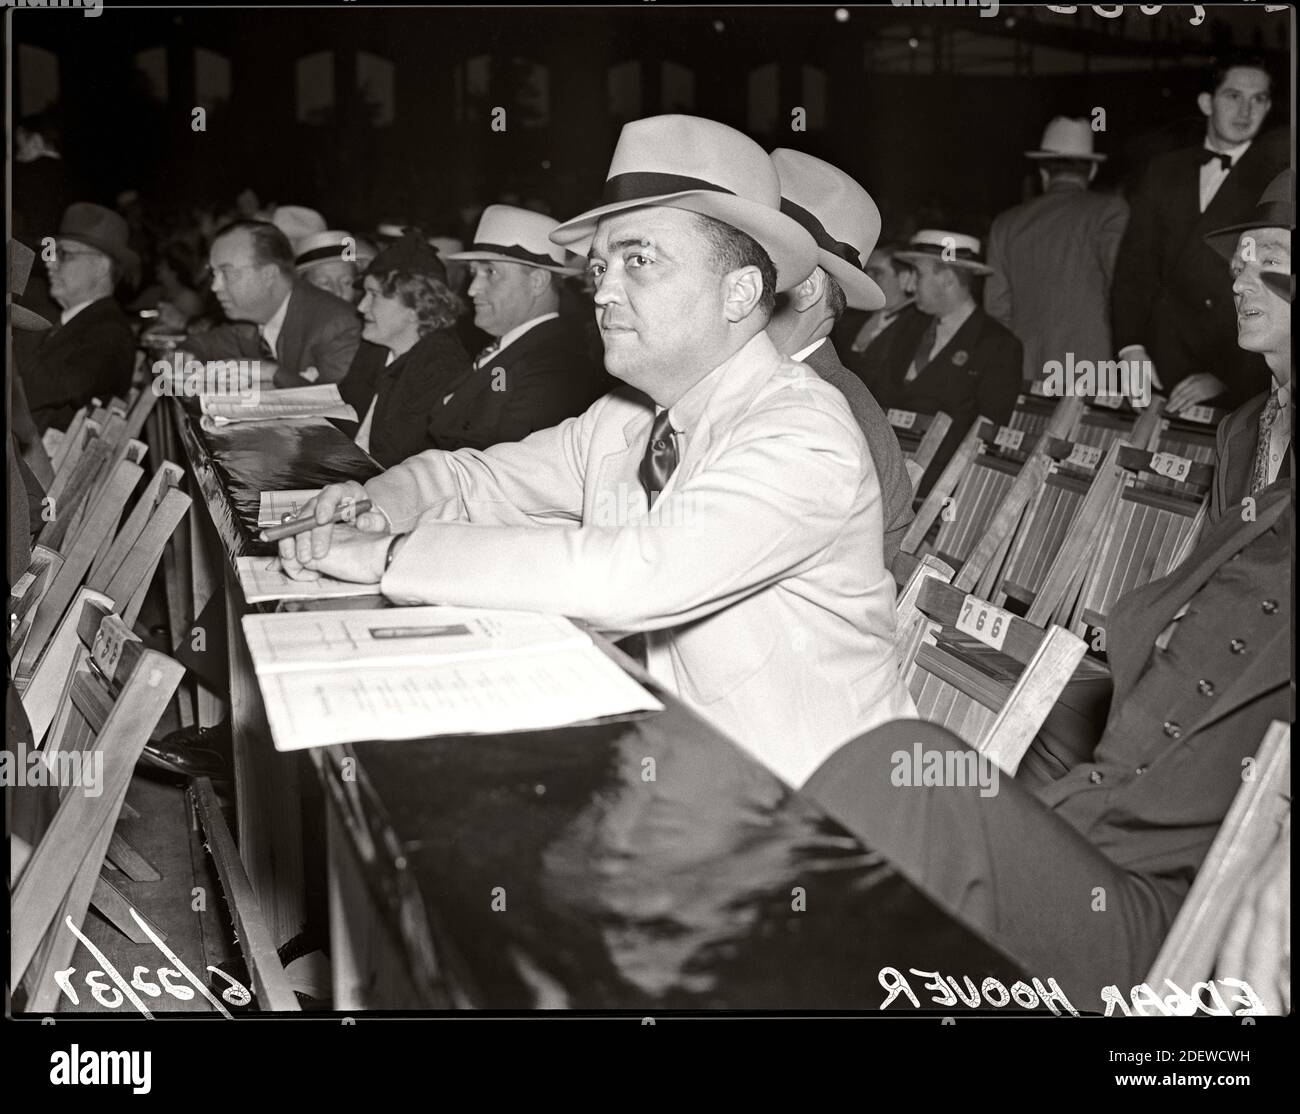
<point>410,672</point>
<point>323,401</point>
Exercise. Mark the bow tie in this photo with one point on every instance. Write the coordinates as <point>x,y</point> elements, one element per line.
<point>1224,160</point>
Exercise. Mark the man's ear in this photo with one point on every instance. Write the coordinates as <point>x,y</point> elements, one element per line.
<point>1205,103</point>
<point>809,292</point>
<point>1092,171</point>
<point>539,281</point>
<point>743,292</point>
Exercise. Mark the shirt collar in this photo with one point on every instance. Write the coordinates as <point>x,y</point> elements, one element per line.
<point>1283,392</point>
<point>519,330</point>
<point>271,330</point>
<point>68,314</point>
<point>803,353</point>
<point>1234,153</point>
<point>686,412</point>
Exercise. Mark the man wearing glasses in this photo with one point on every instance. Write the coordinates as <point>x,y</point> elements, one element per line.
<point>90,352</point>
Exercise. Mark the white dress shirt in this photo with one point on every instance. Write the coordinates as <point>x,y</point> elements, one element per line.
<point>945,329</point>
<point>68,314</point>
<point>1213,174</point>
<point>803,353</point>
<point>271,330</point>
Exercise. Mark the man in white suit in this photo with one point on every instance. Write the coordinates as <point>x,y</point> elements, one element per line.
<point>724,503</point>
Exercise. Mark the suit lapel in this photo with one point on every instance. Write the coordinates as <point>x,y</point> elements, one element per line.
<point>956,353</point>
<point>289,344</point>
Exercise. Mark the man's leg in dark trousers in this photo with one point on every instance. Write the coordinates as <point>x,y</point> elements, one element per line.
<point>1004,863</point>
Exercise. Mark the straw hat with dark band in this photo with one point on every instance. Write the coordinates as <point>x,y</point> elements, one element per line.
<point>952,249</point>
<point>839,215</point>
<point>511,235</point>
<point>685,162</point>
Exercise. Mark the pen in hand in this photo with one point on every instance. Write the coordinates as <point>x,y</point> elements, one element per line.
<point>302,525</point>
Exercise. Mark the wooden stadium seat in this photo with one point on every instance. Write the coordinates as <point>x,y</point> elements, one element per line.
<point>26,595</point>
<point>988,502</point>
<point>919,435</point>
<point>906,615</point>
<point>1147,532</point>
<point>938,501</point>
<point>1046,522</point>
<point>96,531</point>
<point>1255,820</point>
<point>112,706</point>
<point>987,675</point>
<point>118,573</point>
<point>1189,434</point>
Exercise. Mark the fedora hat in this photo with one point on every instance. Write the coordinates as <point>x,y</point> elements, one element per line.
<point>1067,138</point>
<point>952,249</point>
<point>324,247</point>
<point>1276,209</point>
<point>21,258</point>
<point>685,162</point>
<point>297,222</point>
<point>101,229</point>
<point>840,217</point>
<point>512,235</point>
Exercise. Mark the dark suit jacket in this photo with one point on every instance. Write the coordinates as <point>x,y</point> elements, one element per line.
<point>1053,259</point>
<point>406,391</point>
<point>1237,438</point>
<point>536,382</point>
<point>895,484</point>
<point>319,331</point>
<point>1172,293</point>
<point>977,373</point>
<point>92,356</point>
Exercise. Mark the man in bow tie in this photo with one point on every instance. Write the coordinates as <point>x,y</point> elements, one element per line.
<point>723,503</point>
<point>1171,301</point>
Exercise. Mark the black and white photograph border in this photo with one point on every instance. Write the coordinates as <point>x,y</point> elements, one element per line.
<point>840,460</point>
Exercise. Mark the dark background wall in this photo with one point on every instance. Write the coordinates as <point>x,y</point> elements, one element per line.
<point>931,108</point>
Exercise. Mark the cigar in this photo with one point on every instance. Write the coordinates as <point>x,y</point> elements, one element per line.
<point>302,525</point>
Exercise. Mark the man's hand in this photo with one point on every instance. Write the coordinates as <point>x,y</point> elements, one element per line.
<point>1257,944</point>
<point>1193,390</point>
<point>353,556</point>
<point>314,544</point>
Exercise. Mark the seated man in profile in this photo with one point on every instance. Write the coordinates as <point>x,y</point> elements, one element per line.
<point>952,356</point>
<point>308,335</point>
<point>1080,879</point>
<point>723,502</point>
<point>90,353</point>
